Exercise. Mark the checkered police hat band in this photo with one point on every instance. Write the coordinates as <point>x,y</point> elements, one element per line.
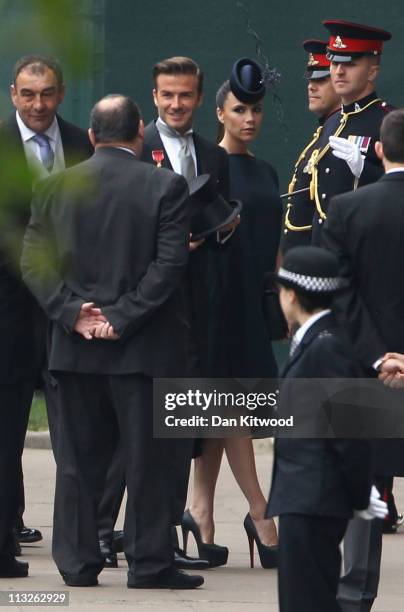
<point>312,283</point>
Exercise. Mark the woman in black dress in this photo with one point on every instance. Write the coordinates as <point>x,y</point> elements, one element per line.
<point>240,343</point>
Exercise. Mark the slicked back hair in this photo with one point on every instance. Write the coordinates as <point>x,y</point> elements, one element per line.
<point>37,65</point>
<point>178,65</point>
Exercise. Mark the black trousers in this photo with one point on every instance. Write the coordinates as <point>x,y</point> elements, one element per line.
<point>92,411</point>
<point>15,403</point>
<point>309,562</point>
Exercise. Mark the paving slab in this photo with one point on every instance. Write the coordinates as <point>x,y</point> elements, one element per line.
<point>234,588</point>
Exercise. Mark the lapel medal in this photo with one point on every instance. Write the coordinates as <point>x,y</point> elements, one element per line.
<point>158,157</point>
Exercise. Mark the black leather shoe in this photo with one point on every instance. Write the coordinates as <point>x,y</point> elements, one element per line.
<point>110,558</point>
<point>28,535</point>
<point>183,561</point>
<point>170,578</point>
<point>11,568</point>
<point>117,541</point>
<point>80,580</point>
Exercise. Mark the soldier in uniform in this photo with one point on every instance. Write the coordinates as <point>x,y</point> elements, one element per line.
<point>349,160</point>
<point>324,102</point>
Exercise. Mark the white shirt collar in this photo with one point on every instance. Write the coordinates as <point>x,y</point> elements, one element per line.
<point>28,134</point>
<point>401,169</point>
<point>127,150</point>
<point>299,335</point>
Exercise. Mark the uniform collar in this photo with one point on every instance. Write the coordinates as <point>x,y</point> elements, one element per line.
<point>324,118</point>
<point>359,104</point>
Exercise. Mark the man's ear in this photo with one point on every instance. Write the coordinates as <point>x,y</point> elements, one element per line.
<point>379,150</point>
<point>141,129</point>
<point>91,136</point>
<point>155,97</point>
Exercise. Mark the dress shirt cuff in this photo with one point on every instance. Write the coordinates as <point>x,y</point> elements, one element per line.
<point>376,365</point>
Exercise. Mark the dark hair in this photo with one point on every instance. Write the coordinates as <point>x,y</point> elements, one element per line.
<point>309,302</point>
<point>178,65</point>
<point>115,118</point>
<point>221,97</point>
<point>38,64</point>
<point>392,136</point>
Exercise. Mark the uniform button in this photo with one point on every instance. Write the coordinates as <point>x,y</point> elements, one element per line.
<point>323,196</point>
<point>285,231</point>
<point>327,170</point>
<point>320,221</point>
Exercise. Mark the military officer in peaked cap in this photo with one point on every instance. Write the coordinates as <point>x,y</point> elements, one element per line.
<point>349,160</point>
<point>323,102</point>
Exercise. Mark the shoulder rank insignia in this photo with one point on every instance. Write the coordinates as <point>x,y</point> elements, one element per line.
<point>338,44</point>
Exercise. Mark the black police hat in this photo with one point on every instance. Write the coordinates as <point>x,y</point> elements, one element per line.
<point>318,65</point>
<point>351,40</point>
<point>209,210</point>
<point>309,270</point>
<point>246,81</point>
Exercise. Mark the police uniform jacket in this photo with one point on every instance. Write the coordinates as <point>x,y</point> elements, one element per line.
<point>321,477</point>
<point>359,122</point>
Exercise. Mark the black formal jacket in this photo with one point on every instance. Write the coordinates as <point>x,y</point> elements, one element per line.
<point>365,229</point>
<point>203,284</point>
<point>361,120</point>
<point>321,477</point>
<point>116,233</point>
<point>22,324</point>
<point>300,207</point>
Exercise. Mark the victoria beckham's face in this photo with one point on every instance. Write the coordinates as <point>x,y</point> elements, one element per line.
<point>241,122</point>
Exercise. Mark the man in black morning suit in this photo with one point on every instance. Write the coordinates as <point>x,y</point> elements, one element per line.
<point>349,160</point>
<point>113,291</point>
<point>317,483</point>
<point>171,143</point>
<point>365,230</point>
<point>36,92</point>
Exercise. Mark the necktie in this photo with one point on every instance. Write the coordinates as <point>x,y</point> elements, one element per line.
<point>293,346</point>
<point>47,155</point>
<point>185,156</point>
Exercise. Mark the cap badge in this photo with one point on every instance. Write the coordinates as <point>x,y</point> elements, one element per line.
<point>338,43</point>
<point>312,61</point>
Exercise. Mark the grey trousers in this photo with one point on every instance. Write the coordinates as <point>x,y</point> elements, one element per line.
<point>362,556</point>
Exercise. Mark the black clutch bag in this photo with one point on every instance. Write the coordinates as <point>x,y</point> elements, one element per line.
<point>276,322</point>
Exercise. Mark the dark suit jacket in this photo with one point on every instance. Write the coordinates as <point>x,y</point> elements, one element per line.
<point>116,233</point>
<point>365,229</point>
<point>322,477</point>
<point>203,286</point>
<point>22,325</point>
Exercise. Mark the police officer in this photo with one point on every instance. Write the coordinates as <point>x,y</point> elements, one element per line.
<point>324,102</point>
<point>349,160</point>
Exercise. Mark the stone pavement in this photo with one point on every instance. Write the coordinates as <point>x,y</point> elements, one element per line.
<point>234,588</point>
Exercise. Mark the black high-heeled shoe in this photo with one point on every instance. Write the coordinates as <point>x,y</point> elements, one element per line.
<point>268,554</point>
<point>215,554</point>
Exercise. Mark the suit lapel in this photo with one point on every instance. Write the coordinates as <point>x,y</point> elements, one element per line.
<point>201,155</point>
<point>153,142</point>
<point>325,322</point>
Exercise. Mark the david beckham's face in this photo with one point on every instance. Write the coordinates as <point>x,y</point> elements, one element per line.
<point>177,98</point>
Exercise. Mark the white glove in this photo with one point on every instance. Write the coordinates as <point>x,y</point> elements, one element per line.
<point>377,507</point>
<point>348,151</point>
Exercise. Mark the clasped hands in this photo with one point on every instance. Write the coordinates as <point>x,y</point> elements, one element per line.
<point>392,370</point>
<point>91,323</point>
